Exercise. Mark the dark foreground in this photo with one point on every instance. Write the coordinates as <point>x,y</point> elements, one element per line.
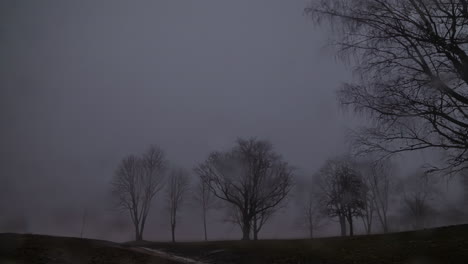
<point>32,249</point>
<point>440,245</point>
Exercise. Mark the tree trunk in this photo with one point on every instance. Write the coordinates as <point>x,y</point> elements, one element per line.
<point>142,227</point>
<point>246,230</point>
<point>385,227</point>
<point>204,224</point>
<point>173,232</point>
<point>383,219</point>
<point>83,224</point>
<point>367,224</point>
<point>255,229</point>
<point>385,223</point>
<point>350,221</point>
<point>343,225</point>
<point>245,233</point>
<point>311,227</point>
<point>138,236</point>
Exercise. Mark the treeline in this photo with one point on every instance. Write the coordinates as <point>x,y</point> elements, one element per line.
<point>373,195</point>
<point>411,63</point>
<point>251,181</point>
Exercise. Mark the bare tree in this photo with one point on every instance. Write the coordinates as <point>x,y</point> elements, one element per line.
<point>342,191</point>
<point>83,223</point>
<point>368,210</point>
<point>376,177</point>
<point>251,177</point>
<point>207,201</point>
<point>418,192</point>
<point>177,188</point>
<point>135,184</point>
<point>313,217</point>
<point>412,64</point>
<point>234,216</point>
<point>260,219</point>
<point>380,184</point>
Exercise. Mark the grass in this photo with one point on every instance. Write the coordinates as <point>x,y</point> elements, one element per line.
<point>32,249</point>
<point>431,246</point>
<point>438,245</point>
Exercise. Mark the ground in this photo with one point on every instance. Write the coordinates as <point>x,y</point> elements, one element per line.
<point>38,249</point>
<point>431,246</point>
<point>439,245</point>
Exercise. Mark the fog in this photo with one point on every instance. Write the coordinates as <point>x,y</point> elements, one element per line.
<point>84,83</point>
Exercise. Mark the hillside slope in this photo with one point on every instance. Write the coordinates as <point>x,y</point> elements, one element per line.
<point>431,246</point>
<point>32,249</point>
<point>438,245</point>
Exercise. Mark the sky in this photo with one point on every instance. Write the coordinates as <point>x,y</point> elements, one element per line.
<point>84,83</point>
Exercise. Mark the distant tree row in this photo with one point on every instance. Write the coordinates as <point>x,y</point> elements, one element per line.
<point>250,181</point>
<point>411,60</point>
<point>350,190</point>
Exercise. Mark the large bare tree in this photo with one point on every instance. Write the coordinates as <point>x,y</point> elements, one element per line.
<point>412,73</point>
<point>177,189</point>
<point>136,182</point>
<point>251,177</point>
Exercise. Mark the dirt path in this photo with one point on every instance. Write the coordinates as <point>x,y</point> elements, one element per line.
<point>165,255</point>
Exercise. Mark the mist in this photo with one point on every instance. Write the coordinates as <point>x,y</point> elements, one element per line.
<point>84,84</point>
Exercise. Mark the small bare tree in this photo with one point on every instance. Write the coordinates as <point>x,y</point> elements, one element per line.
<point>207,201</point>
<point>380,184</point>
<point>136,182</point>
<point>418,192</point>
<point>376,176</point>
<point>177,188</point>
<point>343,191</point>
<point>368,210</point>
<point>83,223</point>
<point>313,217</point>
<point>251,177</point>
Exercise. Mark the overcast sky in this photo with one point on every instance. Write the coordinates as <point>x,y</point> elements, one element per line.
<point>84,83</point>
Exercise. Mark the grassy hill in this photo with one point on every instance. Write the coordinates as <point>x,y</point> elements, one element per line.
<point>438,245</point>
<point>32,249</point>
<point>431,246</point>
